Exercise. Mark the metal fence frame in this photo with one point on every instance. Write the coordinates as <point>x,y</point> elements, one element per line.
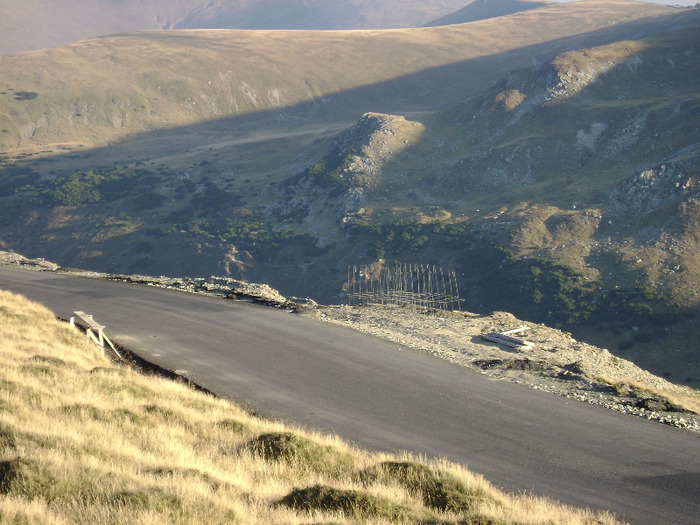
<point>427,286</point>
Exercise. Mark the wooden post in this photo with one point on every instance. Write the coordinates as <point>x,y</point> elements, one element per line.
<point>92,328</point>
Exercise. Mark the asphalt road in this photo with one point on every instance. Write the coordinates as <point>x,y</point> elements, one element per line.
<point>385,397</point>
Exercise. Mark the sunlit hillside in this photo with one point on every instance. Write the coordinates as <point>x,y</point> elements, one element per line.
<point>36,24</point>
<point>101,91</point>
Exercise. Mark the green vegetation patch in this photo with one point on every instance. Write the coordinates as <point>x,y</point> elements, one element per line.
<point>90,186</point>
<point>146,500</point>
<point>7,438</point>
<point>21,476</point>
<point>437,490</point>
<point>329,173</point>
<point>636,303</point>
<point>26,95</point>
<point>39,370</point>
<point>170,417</point>
<point>352,503</point>
<point>49,360</point>
<point>297,450</point>
<point>188,475</point>
<point>85,412</point>
<point>250,232</point>
<point>126,415</point>
<point>232,425</point>
<point>492,276</point>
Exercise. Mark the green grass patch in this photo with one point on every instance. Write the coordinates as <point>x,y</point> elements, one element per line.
<point>7,438</point>
<point>151,499</point>
<point>296,450</point>
<point>26,95</point>
<point>84,412</point>
<point>351,503</point>
<point>90,186</point>
<point>437,490</point>
<point>234,426</point>
<point>26,477</point>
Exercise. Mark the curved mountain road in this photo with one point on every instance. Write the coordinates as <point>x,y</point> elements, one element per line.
<point>382,396</point>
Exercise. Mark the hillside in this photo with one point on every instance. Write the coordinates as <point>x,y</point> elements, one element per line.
<point>484,9</point>
<point>548,156</point>
<point>318,14</point>
<point>36,24</point>
<point>566,194</point>
<point>104,90</point>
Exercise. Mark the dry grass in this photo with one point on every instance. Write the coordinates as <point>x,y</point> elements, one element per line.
<point>72,20</point>
<point>103,90</point>
<point>629,387</point>
<point>83,440</point>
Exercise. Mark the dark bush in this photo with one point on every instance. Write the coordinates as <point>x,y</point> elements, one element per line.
<point>26,95</point>
<point>148,200</point>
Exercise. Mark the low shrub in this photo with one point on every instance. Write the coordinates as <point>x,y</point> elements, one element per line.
<point>26,95</point>
<point>350,502</point>
<point>20,476</point>
<point>297,450</point>
<point>438,491</point>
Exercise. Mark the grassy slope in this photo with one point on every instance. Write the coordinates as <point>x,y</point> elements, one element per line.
<point>106,89</point>
<point>37,24</point>
<point>483,9</point>
<point>319,14</point>
<point>85,441</point>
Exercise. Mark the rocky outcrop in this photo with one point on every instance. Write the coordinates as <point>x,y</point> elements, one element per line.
<point>354,167</point>
<point>646,191</point>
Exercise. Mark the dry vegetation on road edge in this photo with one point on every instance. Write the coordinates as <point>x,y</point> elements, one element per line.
<point>83,440</point>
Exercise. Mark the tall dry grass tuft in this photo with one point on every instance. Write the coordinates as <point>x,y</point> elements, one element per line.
<point>83,440</point>
<point>665,399</point>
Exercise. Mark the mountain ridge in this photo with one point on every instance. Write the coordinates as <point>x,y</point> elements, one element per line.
<point>37,24</point>
<point>484,9</point>
<point>82,71</point>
